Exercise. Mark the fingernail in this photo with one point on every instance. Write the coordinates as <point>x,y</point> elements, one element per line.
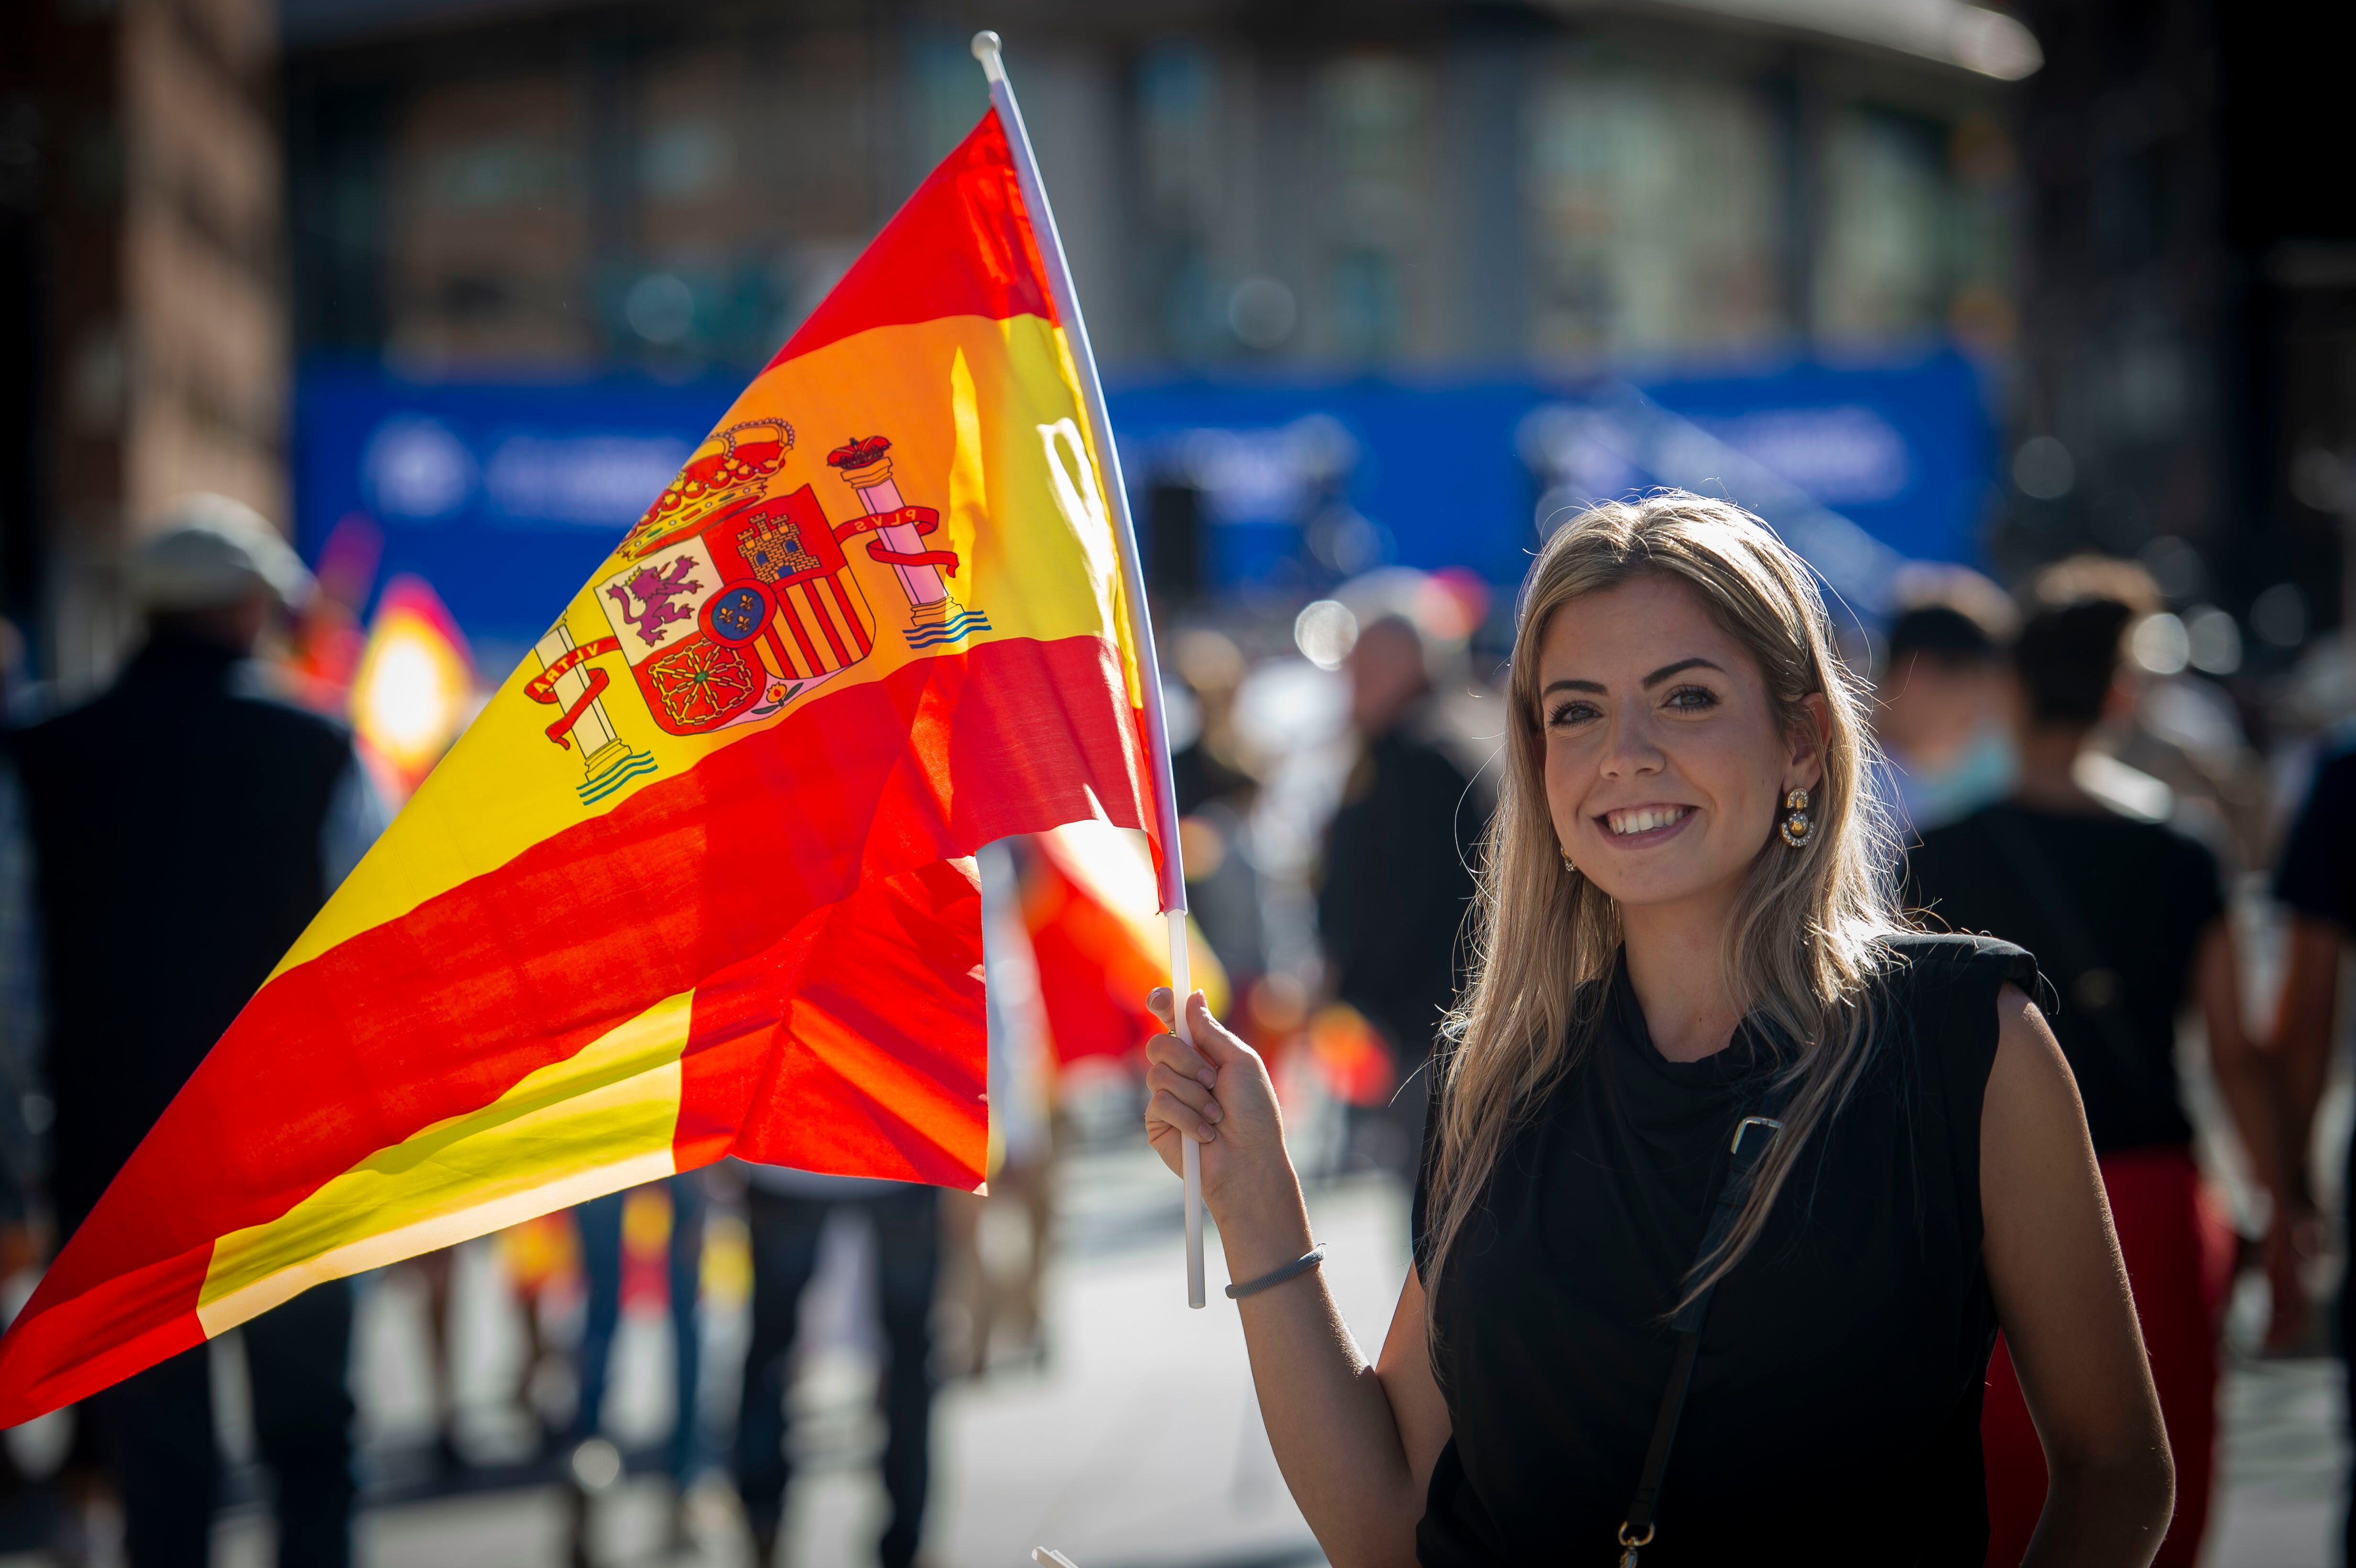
<point>1207,1078</point>
<point>1211,1112</point>
<point>1209,1133</point>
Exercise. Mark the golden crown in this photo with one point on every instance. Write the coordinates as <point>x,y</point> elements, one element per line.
<point>733,467</point>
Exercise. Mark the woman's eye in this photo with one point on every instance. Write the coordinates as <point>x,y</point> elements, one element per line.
<point>1570,713</point>
<point>1693,697</point>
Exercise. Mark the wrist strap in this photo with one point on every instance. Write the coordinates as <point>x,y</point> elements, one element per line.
<point>1300,1265</point>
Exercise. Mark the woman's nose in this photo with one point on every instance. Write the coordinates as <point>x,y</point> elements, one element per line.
<point>1632,749</point>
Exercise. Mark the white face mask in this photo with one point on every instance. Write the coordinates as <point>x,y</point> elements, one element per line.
<point>1982,773</point>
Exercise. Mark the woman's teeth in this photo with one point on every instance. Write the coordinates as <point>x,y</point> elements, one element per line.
<point>1643,819</point>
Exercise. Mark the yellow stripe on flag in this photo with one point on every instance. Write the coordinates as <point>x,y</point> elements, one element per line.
<point>596,1122</point>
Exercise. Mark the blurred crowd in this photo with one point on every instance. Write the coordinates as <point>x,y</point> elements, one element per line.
<point>2059,776</point>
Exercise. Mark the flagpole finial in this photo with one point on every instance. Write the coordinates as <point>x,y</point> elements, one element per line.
<point>986,45</point>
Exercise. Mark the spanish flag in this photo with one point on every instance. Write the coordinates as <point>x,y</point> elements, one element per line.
<point>698,880</point>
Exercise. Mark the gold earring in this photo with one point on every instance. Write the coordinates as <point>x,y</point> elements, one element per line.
<point>1797,824</point>
<point>1567,864</point>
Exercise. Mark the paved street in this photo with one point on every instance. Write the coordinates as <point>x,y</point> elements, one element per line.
<point>1138,1443</point>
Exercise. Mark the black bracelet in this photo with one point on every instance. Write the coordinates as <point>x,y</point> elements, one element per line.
<point>1300,1265</point>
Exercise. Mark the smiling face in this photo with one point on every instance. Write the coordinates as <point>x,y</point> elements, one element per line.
<point>1666,768</point>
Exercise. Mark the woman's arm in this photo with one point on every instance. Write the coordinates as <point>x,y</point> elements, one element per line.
<point>1356,1442</point>
<point>2250,1080</point>
<point>2061,1296</point>
<point>2245,1074</point>
<point>2302,1043</point>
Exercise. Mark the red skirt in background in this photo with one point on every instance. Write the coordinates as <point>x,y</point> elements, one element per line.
<point>2179,1258</point>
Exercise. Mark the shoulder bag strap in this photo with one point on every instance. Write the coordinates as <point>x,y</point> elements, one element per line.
<point>1752,1138</point>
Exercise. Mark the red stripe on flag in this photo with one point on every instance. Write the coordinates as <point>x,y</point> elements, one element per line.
<point>818,609</point>
<point>118,1326</point>
<point>970,207</point>
<point>911,943</point>
<point>792,619</point>
<point>851,616</point>
<point>779,652</point>
<point>692,879</point>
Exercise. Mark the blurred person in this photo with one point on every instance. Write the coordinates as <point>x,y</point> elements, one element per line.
<point>2316,883</point>
<point>1702,1074</point>
<point>1206,767</point>
<point>996,1244</point>
<point>785,1212</point>
<point>1215,794</point>
<point>602,1240</point>
<point>2129,917</point>
<point>1942,713</point>
<point>2171,744</point>
<point>1397,878</point>
<point>185,827</point>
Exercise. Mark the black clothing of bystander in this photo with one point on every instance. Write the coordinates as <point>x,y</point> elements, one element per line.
<point>160,1426</point>
<point>1835,1406</point>
<point>2318,873</point>
<point>785,1231</point>
<point>2316,878</point>
<point>2160,890</point>
<point>1397,883</point>
<point>176,823</point>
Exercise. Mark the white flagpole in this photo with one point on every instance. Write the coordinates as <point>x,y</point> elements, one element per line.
<point>986,48</point>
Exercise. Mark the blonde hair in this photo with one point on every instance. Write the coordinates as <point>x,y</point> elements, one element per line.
<point>1811,925</point>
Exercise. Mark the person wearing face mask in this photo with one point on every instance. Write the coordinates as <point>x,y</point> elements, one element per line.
<point>2128,913</point>
<point>1730,1178</point>
<point>1940,711</point>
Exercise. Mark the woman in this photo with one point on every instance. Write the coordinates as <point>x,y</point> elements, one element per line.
<point>1666,948</point>
<point>2128,915</point>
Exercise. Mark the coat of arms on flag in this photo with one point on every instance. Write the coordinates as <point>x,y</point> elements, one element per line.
<point>729,619</point>
<point>730,603</point>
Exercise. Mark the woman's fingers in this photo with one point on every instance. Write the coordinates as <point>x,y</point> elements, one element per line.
<point>1193,1091</point>
<point>1167,1107</point>
<point>1169,1050</point>
<point>1211,1039</point>
<point>1219,1044</point>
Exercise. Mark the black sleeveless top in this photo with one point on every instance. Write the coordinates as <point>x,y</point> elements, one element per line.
<point>1836,1403</point>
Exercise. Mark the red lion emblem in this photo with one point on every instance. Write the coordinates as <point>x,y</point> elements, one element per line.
<point>655,591</point>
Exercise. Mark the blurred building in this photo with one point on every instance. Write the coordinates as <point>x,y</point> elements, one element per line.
<point>1334,257</point>
<point>2188,355</point>
<point>1321,233</point>
<point>143,346</point>
<point>1397,185</point>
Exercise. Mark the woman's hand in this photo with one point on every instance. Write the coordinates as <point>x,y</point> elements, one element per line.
<point>2291,1240</point>
<point>1218,1091</point>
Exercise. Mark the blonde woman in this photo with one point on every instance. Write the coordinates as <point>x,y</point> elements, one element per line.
<point>1729,1181</point>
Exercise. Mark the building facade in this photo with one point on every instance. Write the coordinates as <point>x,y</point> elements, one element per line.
<point>142,276</point>
<point>1392,188</point>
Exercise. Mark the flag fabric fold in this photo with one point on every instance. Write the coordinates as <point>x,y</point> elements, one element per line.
<point>697,879</point>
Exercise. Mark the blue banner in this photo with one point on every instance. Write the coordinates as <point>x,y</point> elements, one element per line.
<point>506,496</point>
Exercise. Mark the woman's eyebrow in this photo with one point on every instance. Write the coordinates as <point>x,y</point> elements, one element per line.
<point>1680,668</point>
<point>1552,687</point>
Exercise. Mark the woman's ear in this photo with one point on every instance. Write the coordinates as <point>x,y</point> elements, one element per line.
<point>1810,739</point>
